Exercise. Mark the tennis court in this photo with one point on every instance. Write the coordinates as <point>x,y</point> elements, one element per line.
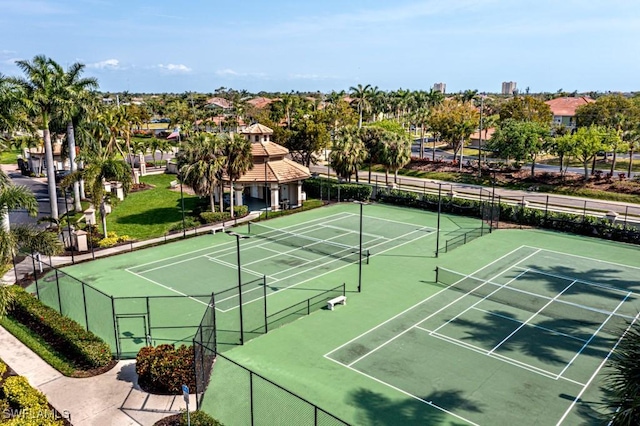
<point>158,295</point>
<point>529,322</point>
<point>507,334</point>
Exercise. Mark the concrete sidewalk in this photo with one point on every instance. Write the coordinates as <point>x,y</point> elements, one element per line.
<point>113,398</point>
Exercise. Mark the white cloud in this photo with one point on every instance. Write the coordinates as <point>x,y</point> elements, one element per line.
<point>174,67</point>
<point>227,72</point>
<point>110,64</point>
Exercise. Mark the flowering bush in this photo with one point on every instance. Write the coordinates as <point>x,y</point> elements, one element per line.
<point>165,368</point>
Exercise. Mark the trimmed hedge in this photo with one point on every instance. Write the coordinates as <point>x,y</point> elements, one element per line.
<point>165,368</point>
<point>306,205</point>
<point>213,217</point>
<point>62,333</point>
<point>29,402</point>
<point>199,418</point>
<point>348,191</point>
<point>525,216</point>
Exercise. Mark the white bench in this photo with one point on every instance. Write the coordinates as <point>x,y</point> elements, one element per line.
<point>336,300</point>
<point>173,184</point>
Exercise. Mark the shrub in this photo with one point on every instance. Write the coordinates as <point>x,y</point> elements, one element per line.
<point>19,393</point>
<point>3,368</point>
<point>165,368</point>
<point>124,238</point>
<point>62,333</point>
<point>213,217</point>
<point>314,187</point>
<point>108,242</point>
<point>199,418</point>
<point>240,211</point>
<point>189,222</point>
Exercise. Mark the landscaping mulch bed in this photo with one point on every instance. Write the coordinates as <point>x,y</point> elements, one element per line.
<point>173,420</point>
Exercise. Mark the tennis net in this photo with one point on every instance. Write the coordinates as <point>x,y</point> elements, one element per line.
<point>315,245</point>
<point>566,316</point>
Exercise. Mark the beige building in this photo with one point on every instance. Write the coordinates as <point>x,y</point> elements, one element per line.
<point>508,87</point>
<point>274,179</point>
<point>440,87</point>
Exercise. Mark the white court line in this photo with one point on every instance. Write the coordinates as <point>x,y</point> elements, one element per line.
<point>355,232</point>
<point>586,258</point>
<point>595,373</point>
<point>594,334</point>
<point>231,245</point>
<point>430,403</point>
<point>232,266</point>
<point>564,302</point>
<point>559,333</point>
<point>327,263</point>
<point>170,289</point>
<point>413,225</point>
<point>428,317</point>
<point>288,254</point>
<point>590,283</point>
<point>414,306</point>
<point>532,317</point>
<point>500,357</point>
<point>500,287</point>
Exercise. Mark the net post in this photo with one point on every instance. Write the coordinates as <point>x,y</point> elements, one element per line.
<point>264,297</point>
<point>148,316</point>
<point>368,254</point>
<point>437,274</point>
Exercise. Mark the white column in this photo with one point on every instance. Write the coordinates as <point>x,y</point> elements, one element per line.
<point>299,199</point>
<point>275,196</point>
<point>238,188</point>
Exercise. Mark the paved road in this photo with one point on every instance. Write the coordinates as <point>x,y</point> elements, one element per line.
<point>625,211</point>
<point>39,187</point>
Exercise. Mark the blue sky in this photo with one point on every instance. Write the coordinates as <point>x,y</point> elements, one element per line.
<point>309,45</point>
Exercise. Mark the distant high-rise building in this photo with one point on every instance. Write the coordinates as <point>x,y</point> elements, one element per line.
<point>508,87</point>
<point>440,87</point>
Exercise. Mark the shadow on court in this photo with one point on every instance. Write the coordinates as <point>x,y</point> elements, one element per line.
<point>377,409</point>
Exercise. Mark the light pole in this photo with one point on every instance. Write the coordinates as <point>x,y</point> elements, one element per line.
<point>362,203</point>
<point>184,228</point>
<point>438,225</point>
<point>238,238</point>
<point>480,134</point>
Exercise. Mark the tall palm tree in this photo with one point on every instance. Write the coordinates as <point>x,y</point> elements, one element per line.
<point>13,115</point>
<point>200,165</point>
<point>236,150</point>
<point>75,101</point>
<point>361,96</point>
<point>623,379</point>
<point>372,138</point>
<point>43,93</point>
<point>348,153</point>
<point>395,154</point>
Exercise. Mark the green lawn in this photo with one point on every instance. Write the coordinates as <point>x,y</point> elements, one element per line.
<point>149,213</point>
<point>9,156</point>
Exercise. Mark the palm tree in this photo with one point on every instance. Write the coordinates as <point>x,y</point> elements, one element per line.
<point>624,380</point>
<point>43,93</point>
<point>200,165</point>
<point>348,153</point>
<point>13,115</point>
<point>361,96</point>
<point>74,103</point>
<point>632,137</point>
<point>236,150</point>
<point>396,153</point>
<point>372,138</point>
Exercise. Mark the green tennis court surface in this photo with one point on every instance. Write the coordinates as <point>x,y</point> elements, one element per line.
<point>509,334</point>
<point>159,295</point>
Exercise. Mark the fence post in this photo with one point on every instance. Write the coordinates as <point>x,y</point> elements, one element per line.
<point>58,289</point>
<point>626,212</point>
<point>251,395</point>
<point>264,297</point>
<point>115,327</point>
<point>584,212</point>
<point>149,318</point>
<point>546,210</point>
<point>35,275</point>
<point>84,304</point>
<point>498,212</point>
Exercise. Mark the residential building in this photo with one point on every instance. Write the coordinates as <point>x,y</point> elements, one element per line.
<point>564,110</point>
<point>508,87</point>
<point>440,87</point>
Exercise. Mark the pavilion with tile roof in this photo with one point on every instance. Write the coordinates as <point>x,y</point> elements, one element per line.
<point>275,179</point>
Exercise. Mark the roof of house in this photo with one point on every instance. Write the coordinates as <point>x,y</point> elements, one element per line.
<point>267,149</point>
<point>219,120</point>
<point>280,171</point>
<point>257,129</point>
<point>260,102</point>
<point>567,106</point>
<point>219,102</point>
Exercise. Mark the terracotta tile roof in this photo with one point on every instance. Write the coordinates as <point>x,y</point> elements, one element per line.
<point>567,106</point>
<point>267,149</point>
<point>260,102</point>
<point>257,129</point>
<point>280,171</point>
<point>219,102</point>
